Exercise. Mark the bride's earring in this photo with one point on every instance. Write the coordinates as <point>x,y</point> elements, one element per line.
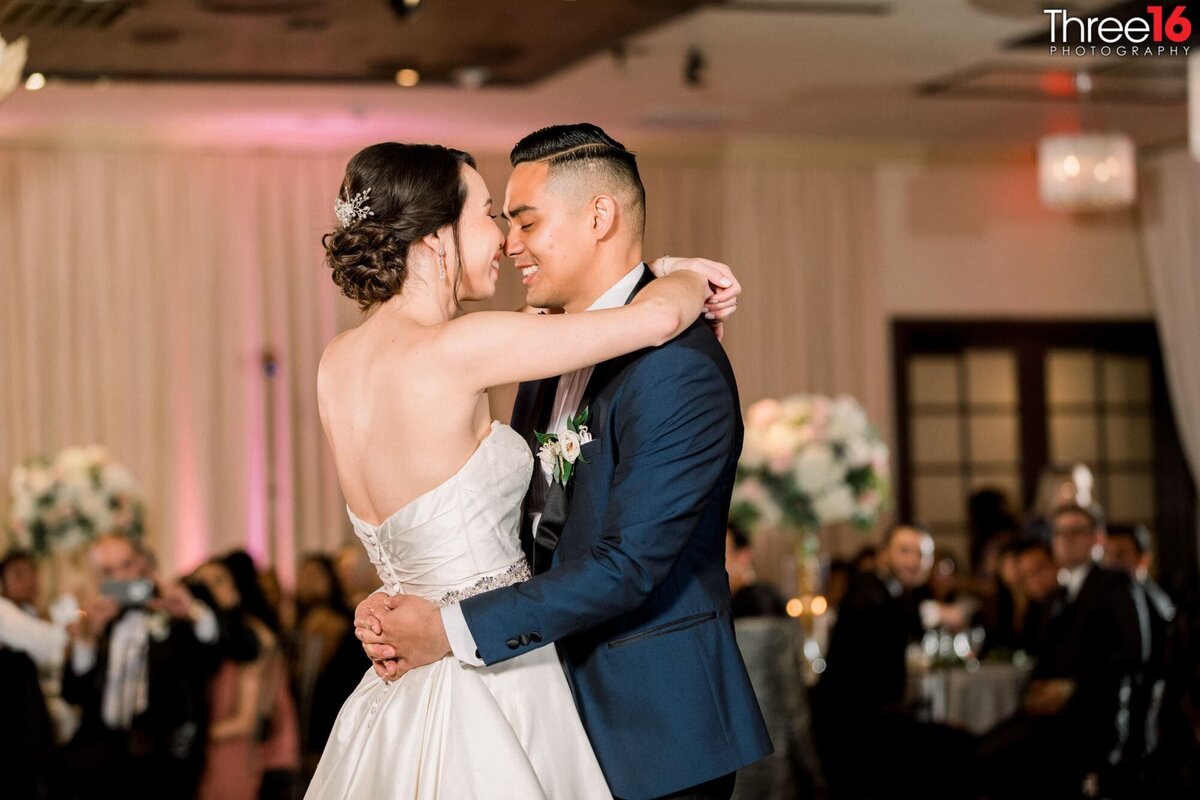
<point>442,265</point>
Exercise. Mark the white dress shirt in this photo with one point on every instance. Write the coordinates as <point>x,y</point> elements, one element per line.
<point>204,626</point>
<point>44,642</point>
<point>1072,580</point>
<point>566,405</point>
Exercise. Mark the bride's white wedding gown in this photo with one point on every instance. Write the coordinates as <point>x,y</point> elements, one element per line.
<point>448,730</point>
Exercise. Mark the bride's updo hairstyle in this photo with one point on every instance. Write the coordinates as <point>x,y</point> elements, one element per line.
<point>392,195</point>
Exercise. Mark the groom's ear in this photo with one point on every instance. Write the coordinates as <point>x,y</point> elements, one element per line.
<point>604,215</point>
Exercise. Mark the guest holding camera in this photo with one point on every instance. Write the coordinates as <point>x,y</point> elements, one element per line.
<point>138,668</point>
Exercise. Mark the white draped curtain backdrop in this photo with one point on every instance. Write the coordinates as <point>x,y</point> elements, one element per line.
<point>1170,226</point>
<point>141,290</point>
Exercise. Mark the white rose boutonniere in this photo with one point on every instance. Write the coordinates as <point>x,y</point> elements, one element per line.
<point>560,453</point>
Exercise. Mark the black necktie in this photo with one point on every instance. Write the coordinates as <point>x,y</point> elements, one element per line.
<point>550,526</point>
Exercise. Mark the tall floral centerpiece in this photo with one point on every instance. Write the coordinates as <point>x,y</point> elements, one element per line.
<point>60,505</point>
<point>809,461</point>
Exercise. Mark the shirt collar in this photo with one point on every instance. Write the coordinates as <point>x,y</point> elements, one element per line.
<point>1072,579</point>
<point>892,583</point>
<point>620,291</point>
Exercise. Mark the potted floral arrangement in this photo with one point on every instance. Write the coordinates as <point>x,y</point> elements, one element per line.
<point>809,461</point>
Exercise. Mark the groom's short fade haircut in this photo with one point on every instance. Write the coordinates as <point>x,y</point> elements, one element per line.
<point>583,150</point>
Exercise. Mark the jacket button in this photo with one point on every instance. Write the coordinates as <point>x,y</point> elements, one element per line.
<point>477,654</point>
<point>513,644</point>
<point>535,637</point>
<point>524,639</point>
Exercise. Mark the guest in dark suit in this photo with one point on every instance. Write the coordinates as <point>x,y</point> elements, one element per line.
<point>1127,549</point>
<point>1038,579</point>
<point>629,564</point>
<point>1157,696</point>
<point>139,673</point>
<point>1069,729</point>
<point>861,715</point>
<point>865,666</point>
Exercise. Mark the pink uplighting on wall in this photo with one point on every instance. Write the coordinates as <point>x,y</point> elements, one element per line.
<point>191,521</point>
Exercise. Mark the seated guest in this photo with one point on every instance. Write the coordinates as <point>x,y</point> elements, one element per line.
<point>278,599</point>
<point>19,580</point>
<point>233,768</point>
<point>356,573</point>
<point>860,711</point>
<point>1037,579</point>
<point>1004,604</point>
<point>328,661</point>
<point>277,731</point>
<point>947,600</point>
<point>770,643</point>
<point>138,669</point>
<point>838,582</point>
<point>750,598</point>
<point>865,560</point>
<point>1091,655</point>
<point>865,665</point>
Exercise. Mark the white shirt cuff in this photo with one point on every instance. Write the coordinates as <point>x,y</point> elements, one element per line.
<point>205,627</point>
<point>83,658</point>
<point>461,640</point>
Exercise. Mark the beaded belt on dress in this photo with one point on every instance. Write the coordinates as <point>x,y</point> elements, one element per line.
<point>513,573</point>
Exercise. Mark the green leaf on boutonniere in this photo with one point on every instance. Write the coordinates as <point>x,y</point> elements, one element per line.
<point>577,421</point>
<point>545,437</point>
<point>567,469</point>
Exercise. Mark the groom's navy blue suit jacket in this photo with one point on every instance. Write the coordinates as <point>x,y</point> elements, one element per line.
<point>637,597</point>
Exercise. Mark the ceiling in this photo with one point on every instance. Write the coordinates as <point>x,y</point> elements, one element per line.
<point>329,41</point>
<point>661,72</point>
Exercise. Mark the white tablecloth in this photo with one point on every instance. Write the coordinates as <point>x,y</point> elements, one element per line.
<point>975,700</point>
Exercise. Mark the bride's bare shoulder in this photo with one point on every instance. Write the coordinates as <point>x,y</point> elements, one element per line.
<point>330,356</point>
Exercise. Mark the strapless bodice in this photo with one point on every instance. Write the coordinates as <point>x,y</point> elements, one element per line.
<point>462,536</point>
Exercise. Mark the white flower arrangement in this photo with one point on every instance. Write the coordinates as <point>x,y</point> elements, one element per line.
<point>807,461</point>
<point>60,506</point>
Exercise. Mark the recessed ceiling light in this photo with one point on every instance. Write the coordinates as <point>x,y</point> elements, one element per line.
<point>35,81</point>
<point>408,78</point>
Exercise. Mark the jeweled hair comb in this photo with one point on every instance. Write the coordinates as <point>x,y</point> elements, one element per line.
<point>351,211</point>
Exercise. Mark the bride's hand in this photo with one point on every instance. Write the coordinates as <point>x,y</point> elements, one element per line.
<point>722,304</point>
<point>368,613</point>
<point>413,637</point>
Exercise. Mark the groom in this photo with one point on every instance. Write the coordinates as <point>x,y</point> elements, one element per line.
<point>629,556</point>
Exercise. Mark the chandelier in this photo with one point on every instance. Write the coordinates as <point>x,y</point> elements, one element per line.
<point>1087,171</point>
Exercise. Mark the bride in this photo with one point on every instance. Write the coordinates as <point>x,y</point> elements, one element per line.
<point>434,487</point>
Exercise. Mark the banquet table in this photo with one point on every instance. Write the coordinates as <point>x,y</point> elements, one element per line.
<point>975,698</point>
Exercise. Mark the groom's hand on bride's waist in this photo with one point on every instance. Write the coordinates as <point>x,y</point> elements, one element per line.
<point>401,633</point>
